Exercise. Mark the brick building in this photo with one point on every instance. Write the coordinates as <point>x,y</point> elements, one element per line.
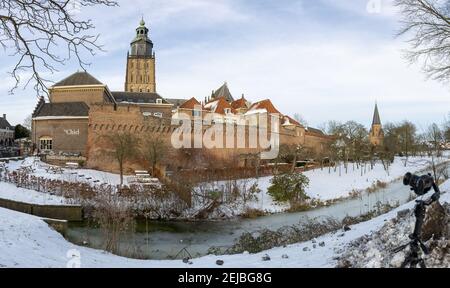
<point>61,125</point>
<point>81,110</point>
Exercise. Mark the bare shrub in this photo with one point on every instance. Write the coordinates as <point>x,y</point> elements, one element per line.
<point>376,186</point>
<point>115,218</point>
<point>251,213</point>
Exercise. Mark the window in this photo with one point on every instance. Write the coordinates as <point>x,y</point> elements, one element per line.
<point>158,114</point>
<point>159,101</point>
<point>196,113</point>
<point>46,144</point>
<point>227,111</point>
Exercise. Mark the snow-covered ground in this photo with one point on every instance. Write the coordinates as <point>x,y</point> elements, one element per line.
<point>325,185</point>
<point>78,175</point>
<point>26,241</point>
<point>11,192</point>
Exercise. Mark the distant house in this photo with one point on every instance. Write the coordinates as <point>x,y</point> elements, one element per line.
<point>6,132</point>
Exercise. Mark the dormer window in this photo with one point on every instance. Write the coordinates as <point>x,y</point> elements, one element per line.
<point>159,101</point>
<point>227,110</point>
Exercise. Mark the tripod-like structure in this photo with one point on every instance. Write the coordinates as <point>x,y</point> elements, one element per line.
<point>417,247</point>
<point>414,259</point>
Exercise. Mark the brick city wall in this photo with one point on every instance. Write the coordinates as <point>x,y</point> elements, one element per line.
<point>107,120</point>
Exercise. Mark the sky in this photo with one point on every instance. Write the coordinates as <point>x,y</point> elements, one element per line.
<point>323,59</point>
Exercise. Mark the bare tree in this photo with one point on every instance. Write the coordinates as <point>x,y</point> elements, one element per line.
<point>154,150</point>
<point>35,32</point>
<point>300,119</point>
<point>447,129</point>
<point>27,123</point>
<point>124,146</point>
<point>429,23</point>
<point>434,138</point>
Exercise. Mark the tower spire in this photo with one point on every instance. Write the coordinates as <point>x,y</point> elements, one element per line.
<point>376,135</point>
<point>376,116</point>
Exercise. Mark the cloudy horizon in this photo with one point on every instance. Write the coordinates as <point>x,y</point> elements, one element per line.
<point>326,60</point>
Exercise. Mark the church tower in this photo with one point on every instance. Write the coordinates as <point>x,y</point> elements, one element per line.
<point>140,76</point>
<point>376,135</point>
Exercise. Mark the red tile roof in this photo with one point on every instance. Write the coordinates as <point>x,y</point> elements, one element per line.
<point>218,106</point>
<point>190,104</point>
<point>266,105</point>
<point>240,104</point>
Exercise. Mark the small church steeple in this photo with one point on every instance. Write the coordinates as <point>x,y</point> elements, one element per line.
<point>376,116</point>
<point>376,135</point>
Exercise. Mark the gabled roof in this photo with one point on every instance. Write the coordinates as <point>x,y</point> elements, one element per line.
<point>223,92</point>
<point>190,104</point>
<point>376,117</point>
<point>266,106</point>
<point>240,104</point>
<point>218,106</point>
<point>137,97</point>
<point>69,109</point>
<point>78,79</point>
<point>4,124</point>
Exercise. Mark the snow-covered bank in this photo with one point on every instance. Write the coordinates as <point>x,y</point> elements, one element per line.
<point>26,241</point>
<point>11,192</point>
<point>40,169</point>
<point>327,184</point>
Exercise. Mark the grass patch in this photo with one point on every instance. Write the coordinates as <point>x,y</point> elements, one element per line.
<point>251,213</point>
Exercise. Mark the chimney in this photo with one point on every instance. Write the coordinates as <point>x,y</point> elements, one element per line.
<point>4,116</point>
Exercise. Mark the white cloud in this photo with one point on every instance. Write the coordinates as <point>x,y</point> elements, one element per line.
<point>336,79</point>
